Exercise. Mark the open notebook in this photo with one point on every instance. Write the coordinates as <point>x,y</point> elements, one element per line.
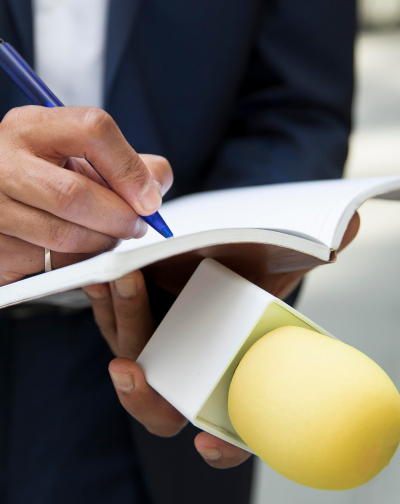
<point>255,231</point>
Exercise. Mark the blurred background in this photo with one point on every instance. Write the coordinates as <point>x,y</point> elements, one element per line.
<point>358,298</point>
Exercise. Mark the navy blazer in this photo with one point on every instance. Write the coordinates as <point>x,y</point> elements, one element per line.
<point>232,92</point>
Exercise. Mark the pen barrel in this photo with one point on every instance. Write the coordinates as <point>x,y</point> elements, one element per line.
<point>23,75</point>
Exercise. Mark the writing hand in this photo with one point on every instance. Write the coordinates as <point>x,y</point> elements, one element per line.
<point>70,211</point>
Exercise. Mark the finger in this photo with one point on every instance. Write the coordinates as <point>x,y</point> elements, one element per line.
<point>158,166</point>
<point>282,284</point>
<point>19,258</point>
<point>123,314</point>
<point>81,166</point>
<point>133,315</point>
<point>70,196</point>
<point>45,230</point>
<point>103,311</point>
<point>218,453</point>
<point>351,231</point>
<point>88,132</point>
<point>160,169</point>
<point>143,402</point>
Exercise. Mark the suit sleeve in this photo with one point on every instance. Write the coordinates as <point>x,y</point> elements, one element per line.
<point>292,118</point>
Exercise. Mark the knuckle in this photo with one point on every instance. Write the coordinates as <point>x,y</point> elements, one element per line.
<point>19,126</point>
<point>16,115</point>
<point>11,117</point>
<point>98,122</point>
<point>70,196</point>
<point>12,123</point>
<point>20,117</point>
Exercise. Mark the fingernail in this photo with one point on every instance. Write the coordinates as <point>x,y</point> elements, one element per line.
<point>213,454</point>
<point>122,382</point>
<point>126,287</point>
<point>98,294</point>
<point>150,197</point>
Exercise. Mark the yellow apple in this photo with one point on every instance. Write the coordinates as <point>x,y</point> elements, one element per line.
<point>316,410</point>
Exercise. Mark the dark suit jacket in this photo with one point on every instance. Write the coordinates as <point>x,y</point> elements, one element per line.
<point>232,92</point>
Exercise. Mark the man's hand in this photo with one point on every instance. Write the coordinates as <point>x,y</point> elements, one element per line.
<point>281,285</point>
<point>122,312</point>
<point>70,211</point>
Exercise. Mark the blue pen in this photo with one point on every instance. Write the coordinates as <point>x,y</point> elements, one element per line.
<point>23,75</point>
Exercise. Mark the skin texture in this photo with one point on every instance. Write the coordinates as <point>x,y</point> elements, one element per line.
<point>51,197</point>
<point>122,312</point>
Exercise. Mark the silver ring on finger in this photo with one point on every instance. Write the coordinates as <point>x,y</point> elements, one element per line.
<point>47,260</point>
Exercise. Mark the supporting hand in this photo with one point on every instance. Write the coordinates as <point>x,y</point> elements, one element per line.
<point>122,312</point>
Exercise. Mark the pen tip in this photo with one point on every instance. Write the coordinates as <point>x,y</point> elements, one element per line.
<point>166,232</point>
<point>159,224</point>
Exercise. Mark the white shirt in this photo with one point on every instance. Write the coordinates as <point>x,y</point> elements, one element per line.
<point>69,48</point>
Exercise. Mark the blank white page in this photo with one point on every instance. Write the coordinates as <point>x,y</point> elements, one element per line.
<point>318,211</point>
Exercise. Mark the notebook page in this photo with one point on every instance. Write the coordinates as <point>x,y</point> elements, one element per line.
<point>312,210</point>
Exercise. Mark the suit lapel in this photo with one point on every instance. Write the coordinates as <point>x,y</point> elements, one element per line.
<point>121,21</point>
<point>21,12</point>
